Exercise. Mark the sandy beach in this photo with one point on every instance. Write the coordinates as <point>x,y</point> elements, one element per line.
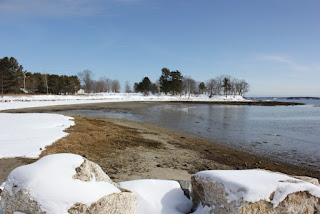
<point>129,150</point>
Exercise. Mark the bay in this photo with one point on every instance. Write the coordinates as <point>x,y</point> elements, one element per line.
<point>285,133</point>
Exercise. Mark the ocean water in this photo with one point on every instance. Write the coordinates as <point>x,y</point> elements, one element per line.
<point>285,133</point>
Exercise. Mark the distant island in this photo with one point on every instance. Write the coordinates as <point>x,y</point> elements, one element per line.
<point>282,98</point>
<point>303,98</point>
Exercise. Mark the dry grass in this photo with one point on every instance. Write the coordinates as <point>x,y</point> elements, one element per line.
<point>99,139</point>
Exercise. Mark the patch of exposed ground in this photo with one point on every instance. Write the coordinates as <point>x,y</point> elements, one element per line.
<point>129,150</point>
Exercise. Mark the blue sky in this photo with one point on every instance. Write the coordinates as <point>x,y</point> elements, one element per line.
<point>274,44</point>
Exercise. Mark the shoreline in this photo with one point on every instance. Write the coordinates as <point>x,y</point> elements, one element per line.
<point>240,103</point>
<point>128,150</point>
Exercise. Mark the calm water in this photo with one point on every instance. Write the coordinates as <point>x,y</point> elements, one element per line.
<point>286,133</point>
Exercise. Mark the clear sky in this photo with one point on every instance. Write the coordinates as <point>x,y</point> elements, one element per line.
<point>273,44</point>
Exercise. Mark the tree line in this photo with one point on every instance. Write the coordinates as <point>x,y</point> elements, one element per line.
<point>13,79</point>
<point>104,84</point>
<point>172,82</point>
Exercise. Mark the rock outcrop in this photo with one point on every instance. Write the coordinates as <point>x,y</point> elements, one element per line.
<point>22,192</point>
<point>89,171</point>
<point>121,203</point>
<point>229,196</point>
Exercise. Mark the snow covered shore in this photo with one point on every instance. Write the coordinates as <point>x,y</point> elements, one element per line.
<point>26,135</point>
<point>27,101</point>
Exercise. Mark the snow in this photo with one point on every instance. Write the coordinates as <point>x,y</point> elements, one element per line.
<point>255,185</point>
<point>158,196</point>
<point>204,209</point>
<point>49,181</point>
<point>24,135</point>
<point>27,101</point>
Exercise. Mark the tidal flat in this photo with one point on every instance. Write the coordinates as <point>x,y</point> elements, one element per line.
<point>129,150</point>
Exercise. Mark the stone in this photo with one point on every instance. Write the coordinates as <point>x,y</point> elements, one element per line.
<point>122,203</point>
<point>186,187</point>
<point>18,199</point>
<point>208,192</point>
<point>89,170</point>
<point>308,179</point>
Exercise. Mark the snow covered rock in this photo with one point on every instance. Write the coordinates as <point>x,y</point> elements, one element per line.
<point>159,196</point>
<point>89,171</point>
<point>252,191</point>
<point>64,183</point>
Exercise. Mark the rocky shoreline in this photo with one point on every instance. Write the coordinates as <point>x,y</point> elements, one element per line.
<point>69,183</point>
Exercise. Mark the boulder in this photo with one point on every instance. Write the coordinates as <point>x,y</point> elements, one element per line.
<point>64,183</point>
<point>253,191</point>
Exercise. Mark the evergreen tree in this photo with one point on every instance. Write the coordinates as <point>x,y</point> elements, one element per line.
<point>144,86</point>
<point>226,85</point>
<point>176,82</point>
<point>11,75</point>
<point>202,87</point>
<point>165,80</point>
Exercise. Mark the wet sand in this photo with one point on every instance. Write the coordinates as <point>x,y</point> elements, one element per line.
<point>130,150</point>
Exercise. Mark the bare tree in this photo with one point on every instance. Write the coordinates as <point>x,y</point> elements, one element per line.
<point>211,85</point>
<point>242,87</point>
<point>189,85</point>
<point>115,86</point>
<point>108,83</point>
<point>219,85</point>
<point>233,82</point>
<point>127,87</point>
<point>99,86</point>
<point>86,77</point>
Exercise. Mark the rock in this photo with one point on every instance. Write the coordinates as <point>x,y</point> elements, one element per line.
<point>186,187</point>
<point>308,179</point>
<point>88,171</point>
<point>253,191</point>
<point>115,203</point>
<point>64,183</point>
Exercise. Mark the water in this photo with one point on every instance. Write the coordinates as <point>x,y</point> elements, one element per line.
<point>284,133</point>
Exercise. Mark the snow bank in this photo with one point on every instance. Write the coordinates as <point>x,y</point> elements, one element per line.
<point>49,181</point>
<point>256,185</point>
<point>158,196</point>
<point>24,135</point>
<point>27,101</point>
